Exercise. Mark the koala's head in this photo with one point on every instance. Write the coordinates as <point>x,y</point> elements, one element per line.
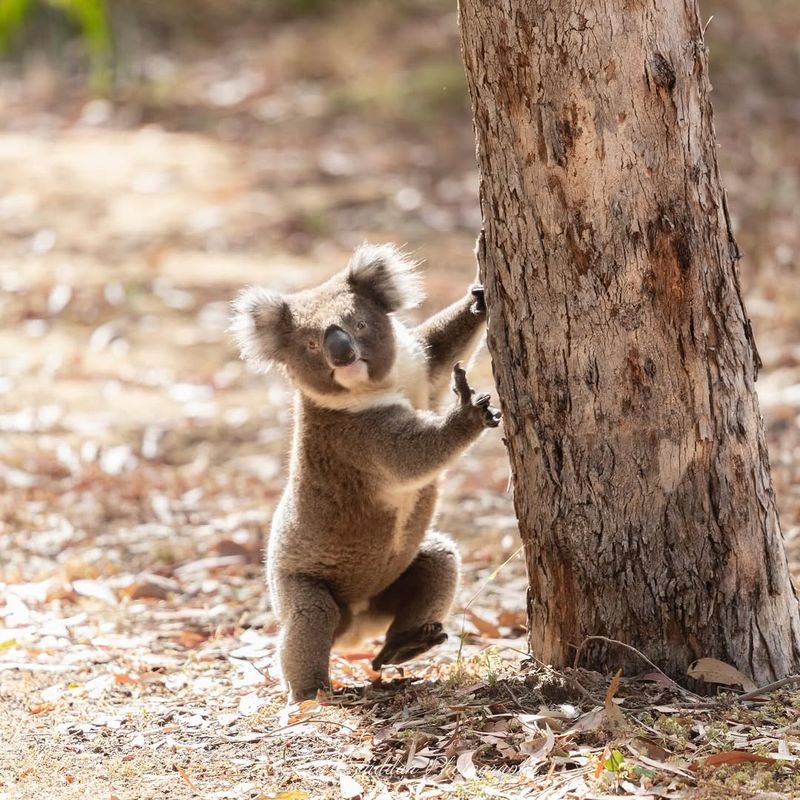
<point>337,339</point>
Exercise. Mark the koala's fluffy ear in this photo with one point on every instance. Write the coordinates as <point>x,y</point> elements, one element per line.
<point>382,272</point>
<point>260,324</point>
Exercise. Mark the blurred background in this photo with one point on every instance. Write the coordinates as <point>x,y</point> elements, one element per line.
<point>157,156</point>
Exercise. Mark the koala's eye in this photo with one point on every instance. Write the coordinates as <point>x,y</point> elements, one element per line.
<point>361,325</point>
<point>313,345</point>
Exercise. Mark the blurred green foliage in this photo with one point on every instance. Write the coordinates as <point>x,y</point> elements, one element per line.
<point>27,25</point>
<point>90,17</point>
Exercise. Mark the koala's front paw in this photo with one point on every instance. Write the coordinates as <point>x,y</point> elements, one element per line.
<point>479,306</point>
<point>489,415</point>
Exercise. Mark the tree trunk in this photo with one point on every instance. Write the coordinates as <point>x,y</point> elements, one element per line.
<point>623,355</point>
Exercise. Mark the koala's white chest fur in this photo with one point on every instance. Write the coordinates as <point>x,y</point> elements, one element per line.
<point>410,369</point>
<point>410,381</point>
<point>402,502</point>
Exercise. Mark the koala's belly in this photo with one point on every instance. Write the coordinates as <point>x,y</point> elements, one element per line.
<point>412,511</point>
<point>358,555</point>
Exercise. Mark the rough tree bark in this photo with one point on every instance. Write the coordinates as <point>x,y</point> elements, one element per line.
<point>623,355</point>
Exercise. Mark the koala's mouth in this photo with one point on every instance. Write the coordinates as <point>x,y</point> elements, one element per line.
<point>352,375</point>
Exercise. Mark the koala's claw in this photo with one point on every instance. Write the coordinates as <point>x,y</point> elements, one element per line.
<point>492,416</point>
<point>409,644</point>
<point>479,306</point>
<point>489,414</point>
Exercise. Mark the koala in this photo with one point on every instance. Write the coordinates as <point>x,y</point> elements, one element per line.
<point>351,554</point>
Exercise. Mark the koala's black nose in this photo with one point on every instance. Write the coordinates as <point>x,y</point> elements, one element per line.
<point>338,347</point>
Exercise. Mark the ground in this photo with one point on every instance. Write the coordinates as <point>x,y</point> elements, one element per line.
<point>140,461</point>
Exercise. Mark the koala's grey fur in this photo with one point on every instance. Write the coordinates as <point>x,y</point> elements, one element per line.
<point>350,552</point>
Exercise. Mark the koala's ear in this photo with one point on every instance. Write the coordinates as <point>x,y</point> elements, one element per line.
<point>261,323</point>
<point>386,275</point>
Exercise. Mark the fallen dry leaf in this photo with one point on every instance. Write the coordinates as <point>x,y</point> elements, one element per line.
<point>191,639</point>
<point>588,722</point>
<point>227,547</point>
<point>250,704</point>
<point>613,714</point>
<point>97,590</point>
<point>651,748</point>
<point>465,766</point>
<point>125,678</point>
<point>734,757</point>
<point>293,716</point>
<point>145,590</point>
<point>184,777</point>
<point>483,625</point>
<point>538,749</point>
<point>42,708</point>
<point>601,764</point>
<point>516,619</point>
<point>356,656</point>
<point>349,787</point>
<point>667,766</point>
<point>711,670</point>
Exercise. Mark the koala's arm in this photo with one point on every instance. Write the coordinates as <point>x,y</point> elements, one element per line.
<point>412,447</point>
<point>450,335</point>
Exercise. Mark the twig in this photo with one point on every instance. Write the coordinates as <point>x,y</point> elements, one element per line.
<point>512,695</point>
<point>266,677</point>
<point>621,644</point>
<point>316,719</point>
<point>582,690</point>
<point>716,702</point>
<point>500,648</point>
<point>632,650</point>
<point>770,687</point>
<point>493,575</point>
<point>474,597</point>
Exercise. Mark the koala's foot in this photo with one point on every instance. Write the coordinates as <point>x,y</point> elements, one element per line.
<point>466,394</point>
<point>479,306</point>
<point>409,644</point>
<point>306,693</point>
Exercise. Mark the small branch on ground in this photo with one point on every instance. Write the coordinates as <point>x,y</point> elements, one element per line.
<point>632,649</point>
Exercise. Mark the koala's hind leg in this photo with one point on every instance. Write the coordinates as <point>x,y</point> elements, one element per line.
<point>309,617</point>
<point>419,600</point>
